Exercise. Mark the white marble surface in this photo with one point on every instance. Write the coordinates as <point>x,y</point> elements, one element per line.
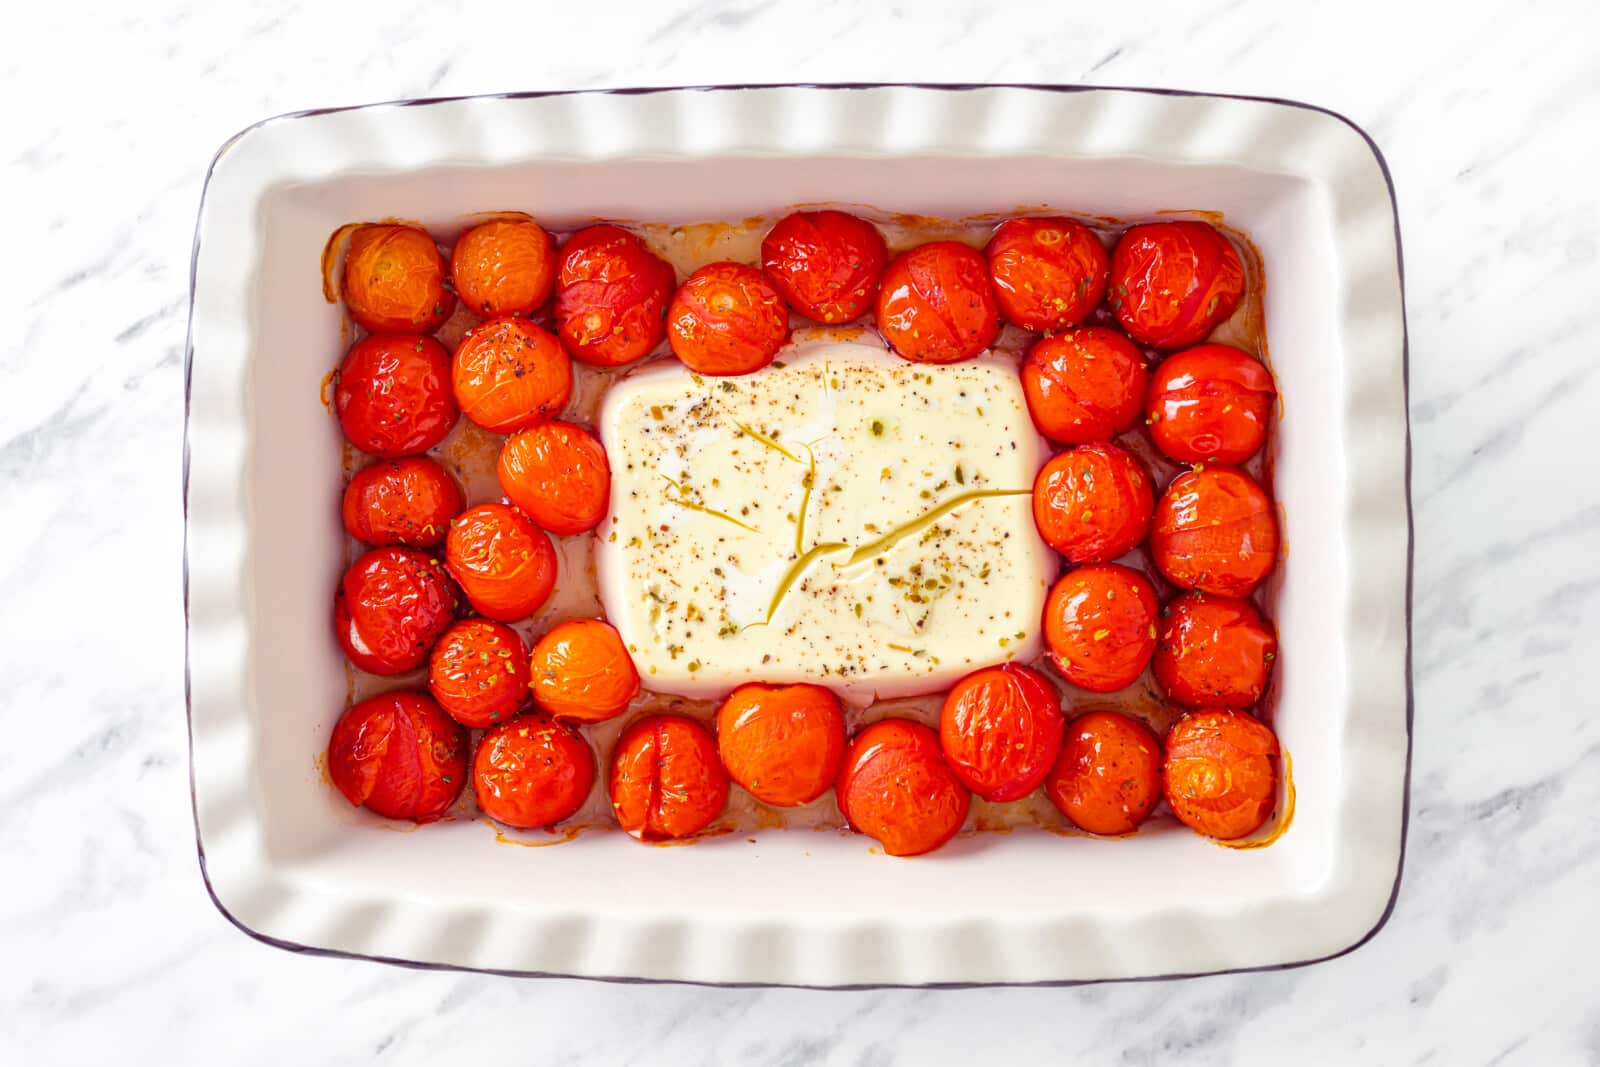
<point>1490,118</point>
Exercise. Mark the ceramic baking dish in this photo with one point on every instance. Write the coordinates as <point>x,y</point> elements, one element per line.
<point>288,861</point>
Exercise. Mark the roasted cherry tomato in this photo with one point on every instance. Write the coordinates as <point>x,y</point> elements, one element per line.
<point>557,473</point>
<point>1109,775</point>
<point>896,786</point>
<point>1215,651</point>
<point>504,563</point>
<point>1048,273</point>
<point>783,743</point>
<point>393,395</point>
<point>581,671</point>
<point>399,755</point>
<point>1092,503</point>
<point>504,267</point>
<point>1173,282</point>
<point>1220,777</point>
<point>532,771</point>
<point>611,296</point>
<point>1215,531</point>
<point>1210,404</point>
<point>937,304</point>
<point>727,319</point>
<point>392,605</point>
<point>1100,625</point>
<point>478,673</point>
<point>1084,385</point>
<point>826,264</point>
<point>666,779</point>
<point>1001,730</point>
<point>394,280</point>
<point>510,373</point>
<point>401,502</point>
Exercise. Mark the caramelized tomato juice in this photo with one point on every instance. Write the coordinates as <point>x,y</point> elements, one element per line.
<point>471,453</point>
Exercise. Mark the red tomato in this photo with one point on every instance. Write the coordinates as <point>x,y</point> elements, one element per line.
<point>1210,404</point>
<point>401,502</point>
<point>502,561</point>
<point>666,779</point>
<point>1001,730</point>
<point>504,267</point>
<point>1048,273</point>
<point>1220,777</point>
<point>557,473</point>
<point>532,771</point>
<point>581,671</point>
<point>1100,624</point>
<point>510,373</point>
<point>1173,282</point>
<point>478,673</point>
<point>1215,651</point>
<point>394,280</point>
<point>937,304</point>
<point>1108,778</point>
<point>1092,503</point>
<point>783,743</point>
<point>826,264</point>
<point>896,786</point>
<point>611,296</point>
<point>1215,531</point>
<point>392,605</point>
<point>393,395</point>
<point>400,756</point>
<point>1084,385</point>
<point>727,319</point>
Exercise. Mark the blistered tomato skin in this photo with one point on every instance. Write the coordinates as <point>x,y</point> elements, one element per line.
<point>392,605</point>
<point>557,473</point>
<point>504,267</point>
<point>727,319</point>
<point>1215,651</point>
<point>937,305</point>
<point>1220,776</point>
<point>1084,385</point>
<point>1210,404</point>
<point>393,395</point>
<point>1214,530</point>
<point>1092,503</point>
<point>826,264</point>
<point>400,756</point>
<point>478,672</point>
<point>896,786</point>
<point>1108,778</point>
<point>509,373</point>
<point>582,671</point>
<point>782,743</point>
<point>532,772</point>
<point>394,280</point>
<point>1048,273</point>
<point>1001,731</point>
<point>1100,626</point>
<point>666,779</point>
<point>401,502</point>
<point>1172,283</point>
<point>503,562</point>
<point>611,297</point>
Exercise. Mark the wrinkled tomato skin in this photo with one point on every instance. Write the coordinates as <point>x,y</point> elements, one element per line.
<point>503,562</point>
<point>1048,273</point>
<point>478,673</point>
<point>895,786</point>
<point>392,605</point>
<point>784,744</point>
<point>666,779</point>
<point>581,670</point>
<point>401,502</point>
<point>611,297</point>
<point>394,280</point>
<point>826,264</point>
<point>937,305</point>
<point>1210,404</point>
<point>557,473</point>
<point>1087,384</point>
<point>1092,503</point>
<point>1172,283</point>
<point>727,319</point>
<point>504,267</point>
<point>393,395</point>
<point>1220,776</point>
<point>509,373</point>
<point>1001,730</point>
<point>1214,530</point>
<point>1100,626</point>
<point>532,772</point>
<point>1108,778</point>
<point>1215,652</point>
<point>400,756</point>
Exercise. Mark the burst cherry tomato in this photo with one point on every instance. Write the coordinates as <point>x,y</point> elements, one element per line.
<point>394,280</point>
<point>401,502</point>
<point>611,296</point>
<point>1220,777</point>
<point>399,755</point>
<point>1109,775</point>
<point>826,264</point>
<point>666,779</point>
<point>783,743</point>
<point>896,786</point>
<point>1215,651</point>
<point>557,473</point>
<point>392,605</point>
<point>727,319</point>
<point>1084,385</point>
<point>478,673</point>
<point>393,395</point>
<point>503,562</point>
<point>1001,730</point>
<point>510,373</point>
<point>532,772</point>
<point>1173,282</point>
<point>581,671</point>
<point>1048,273</point>
<point>1100,624</point>
<point>937,304</point>
<point>1215,531</point>
<point>1092,503</point>
<point>504,267</point>
<point>1210,404</point>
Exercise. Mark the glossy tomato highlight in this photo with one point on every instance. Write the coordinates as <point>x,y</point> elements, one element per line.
<point>400,756</point>
<point>401,502</point>
<point>1048,273</point>
<point>1108,778</point>
<point>478,672</point>
<point>1215,651</point>
<point>532,772</point>
<point>509,373</point>
<point>937,305</point>
<point>1215,530</point>
<point>782,743</point>
<point>611,297</point>
<point>1210,404</point>
<point>826,264</point>
<point>1221,773</point>
<point>558,475</point>
<point>1092,503</point>
<point>394,280</point>
<point>1172,283</point>
<point>896,786</point>
<point>503,562</point>
<point>392,395</point>
<point>504,267</point>
<point>1001,730</point>
<point>392,605</point>
<point>666,779</point>
<point>1084,385</point>
<point>581,671</point>
<point>727,319</point>
<point>1100,626</point>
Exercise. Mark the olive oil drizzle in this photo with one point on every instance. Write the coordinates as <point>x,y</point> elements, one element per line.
<point>922,522</point>
<point>683,501</point>
<point>790,576</point>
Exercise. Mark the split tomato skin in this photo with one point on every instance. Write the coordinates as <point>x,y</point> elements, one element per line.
<point>504,563</point>
<point>558,474</point>
<point>666,779</point>
<point>895,786</point>
<point>582,671</point>
<point>1000,731</point>
<point>1220,777</point>
<point>393,395</point>
<point>1172,283</point>
<point>394,280</point>
<point>400,756</point>
<point>1215,531</point>
<point>611,296</point>
<point>1100,626</point>
<point>826,264</point>
<point>1108,778</point>
<point>1049,273</point>
<point>727,319</point>
<point>509,373</point>
<point>392,605</point>
<point>478,673</point>
<point>1214,652</point>
<point>1092,503</point>
<point>1083,385</point>
<point>504,267</point>
<point>532,772</point>
<point>783,744</point>
<point>1210,404</point>
<point>937,305</point>
<point>406,501</point>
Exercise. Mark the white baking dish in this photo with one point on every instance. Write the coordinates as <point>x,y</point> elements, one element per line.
<point>288,861</point>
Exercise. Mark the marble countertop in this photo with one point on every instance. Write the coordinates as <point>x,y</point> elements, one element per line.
<point>1490,119</point>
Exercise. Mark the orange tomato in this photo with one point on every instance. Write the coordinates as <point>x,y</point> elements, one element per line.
<point>400,756</point>
<point>502,561</point>
<point>1048,273</point>
<point>937,305</point>
<point>557,473</point>
<point>394,280</point>
<point>783,743</point>
<point>1220,776</point>
<point>611,296</point>
<point>1210,404</point>
<point>1108,778</point>
<point>896,786</point>
<point>478,673</point>
<point>666,779</point>
<point>504,267</point>
<point>532,771</point>
<point>1173,282</point>
<point>1215,651</point>
<point>401,502</point>
<point>1100,626</point>
<point>1214,530</point>
<point>581,671</point>
<point>510,373</point>
<point>392,395</point>
<point>826,264</point>
<point>1084,385</point>
<point>1001,730</point>
<point>392,605</point>
<point>727,319</point>
<point>1092,503</point>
